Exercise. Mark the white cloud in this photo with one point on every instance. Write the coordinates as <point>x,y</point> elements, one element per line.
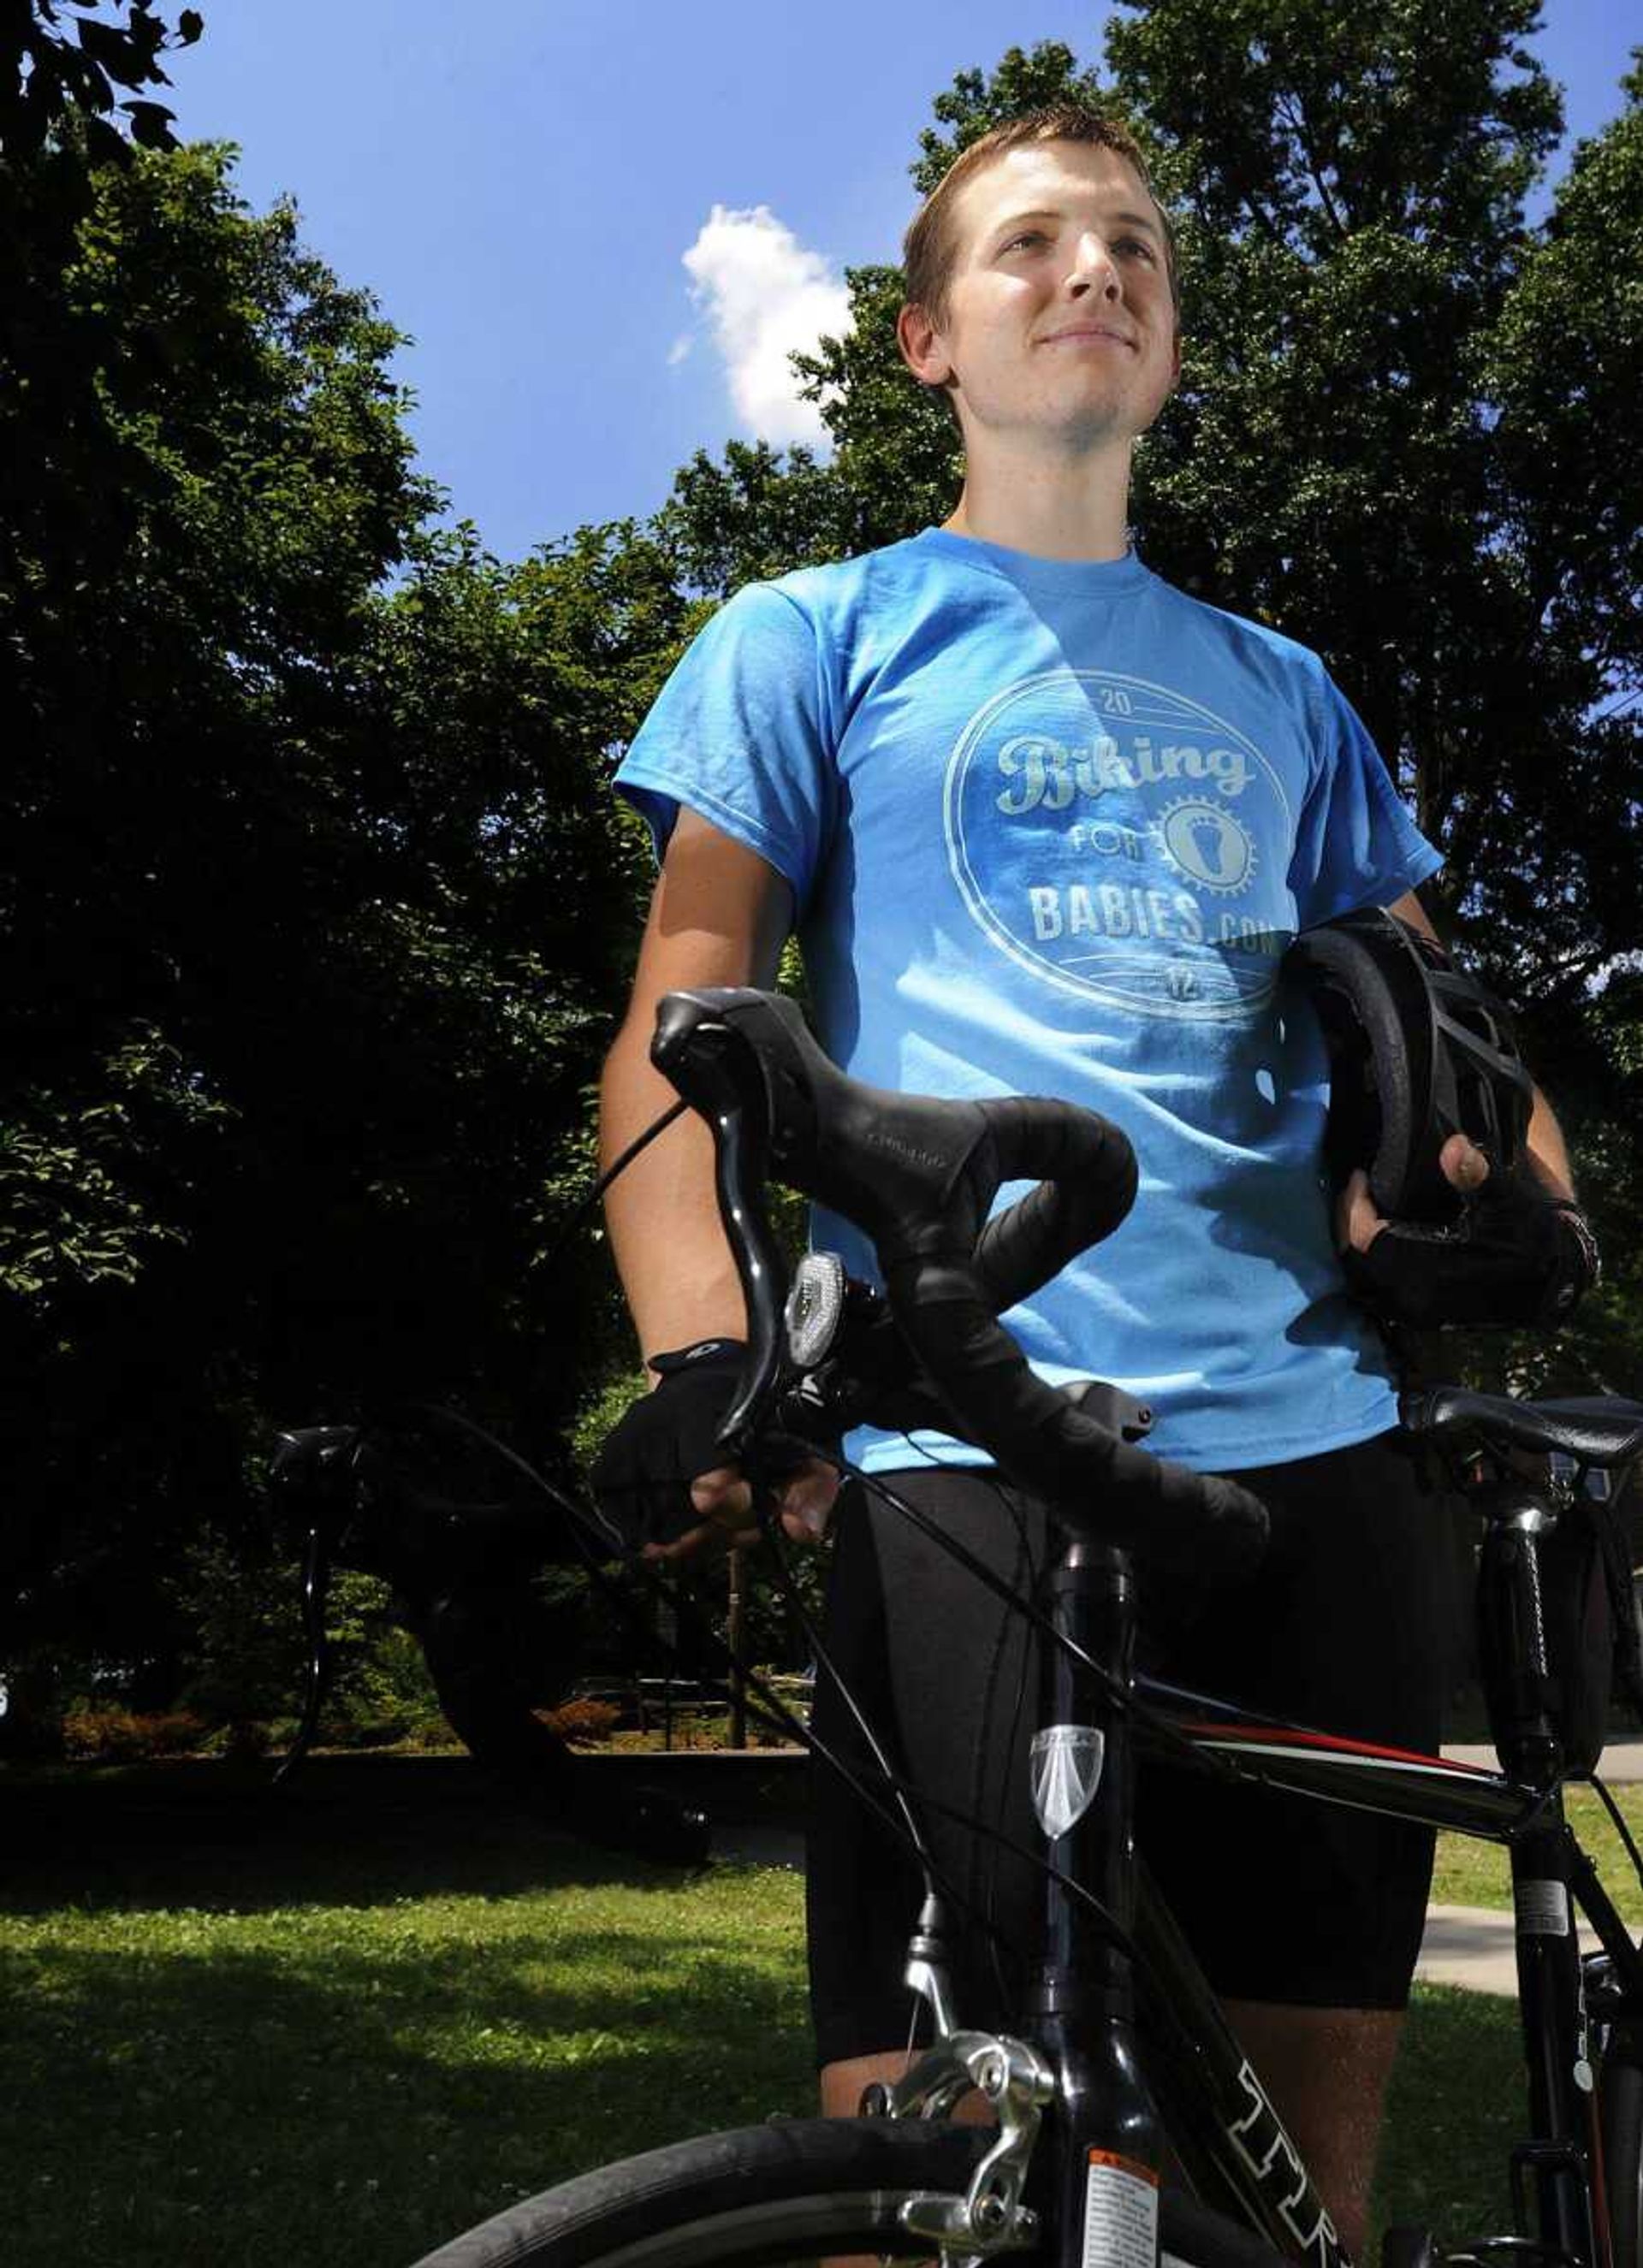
<point>765,297</point>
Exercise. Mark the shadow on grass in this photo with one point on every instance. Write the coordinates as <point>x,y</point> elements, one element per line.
<point>329,2087</point>
<point>348,1830</point>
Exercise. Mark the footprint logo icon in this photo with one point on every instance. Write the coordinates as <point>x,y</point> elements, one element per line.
<point>1209,841</point>
<point>1209,845</point>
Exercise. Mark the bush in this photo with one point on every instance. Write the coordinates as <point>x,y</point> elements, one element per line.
<point>432,1736</point>
<point>102,1733</point>
<point>248,1740</point>
<point>585,1723</point>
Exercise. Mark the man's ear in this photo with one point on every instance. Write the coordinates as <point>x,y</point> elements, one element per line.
<point>921,351</point>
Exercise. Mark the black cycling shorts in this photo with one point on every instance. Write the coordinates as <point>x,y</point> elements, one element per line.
<point>1344,1627</point>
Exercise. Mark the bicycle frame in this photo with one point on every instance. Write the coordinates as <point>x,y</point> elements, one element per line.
<point>1117,2032</point>
<point>1222,2124</point>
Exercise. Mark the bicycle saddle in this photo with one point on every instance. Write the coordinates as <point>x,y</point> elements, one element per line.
<point>1598,1429</point>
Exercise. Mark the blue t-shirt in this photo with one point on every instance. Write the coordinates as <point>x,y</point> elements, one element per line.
<point>1049,826</point>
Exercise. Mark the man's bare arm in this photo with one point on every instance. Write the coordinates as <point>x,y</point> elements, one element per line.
<point>719,915</point>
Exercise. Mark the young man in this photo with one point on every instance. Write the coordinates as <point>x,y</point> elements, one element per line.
<point>1045,825</point>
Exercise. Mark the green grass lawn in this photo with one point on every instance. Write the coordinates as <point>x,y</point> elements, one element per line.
<point>244,2033</point>
<point>341,2030</point>
<point>1472,1873</point>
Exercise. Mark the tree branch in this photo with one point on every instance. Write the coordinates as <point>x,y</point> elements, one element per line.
<point>1294,118</point>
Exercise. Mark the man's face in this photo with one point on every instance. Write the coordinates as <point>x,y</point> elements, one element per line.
<point>1060,320</point>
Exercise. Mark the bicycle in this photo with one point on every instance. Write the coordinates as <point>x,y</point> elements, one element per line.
<point>1122,2042</point>
<point>457,1524</point>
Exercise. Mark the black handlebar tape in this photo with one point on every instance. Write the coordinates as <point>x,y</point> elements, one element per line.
<point>918,1174</point>
<point>1185,1521</point>
<point>894,1164</point>
<point>1088,1182</point>
<point>899,1162</point>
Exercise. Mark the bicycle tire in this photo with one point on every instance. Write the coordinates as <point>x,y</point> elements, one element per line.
<point>797,2189</point>
<point>1620,2084</point>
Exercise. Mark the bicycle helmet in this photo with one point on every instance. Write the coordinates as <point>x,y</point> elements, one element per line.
<point>1418,1050</point>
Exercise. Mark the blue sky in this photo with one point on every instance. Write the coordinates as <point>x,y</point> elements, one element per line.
<point>605,222</point>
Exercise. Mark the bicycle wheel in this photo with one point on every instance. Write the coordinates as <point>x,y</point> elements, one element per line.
<point>1620,2083</point>
<point>800,2190</point>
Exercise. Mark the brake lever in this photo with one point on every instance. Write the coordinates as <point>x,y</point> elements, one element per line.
<point>719,1073</point>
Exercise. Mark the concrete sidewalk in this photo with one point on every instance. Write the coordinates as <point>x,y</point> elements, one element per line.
<point>1472,1945</point>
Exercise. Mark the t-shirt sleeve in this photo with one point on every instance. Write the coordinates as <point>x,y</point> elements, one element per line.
<point>741,734</point>
<point>1356,844</point>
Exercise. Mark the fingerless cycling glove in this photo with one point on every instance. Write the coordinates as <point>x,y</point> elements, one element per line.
<point>1514,1257</point>
<point>642,1475</point>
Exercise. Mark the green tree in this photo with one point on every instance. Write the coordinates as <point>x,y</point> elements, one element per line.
<point>314,914</point>
<point>72,476</point>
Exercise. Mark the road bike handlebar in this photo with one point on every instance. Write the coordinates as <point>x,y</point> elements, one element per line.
<point>919,1175</point>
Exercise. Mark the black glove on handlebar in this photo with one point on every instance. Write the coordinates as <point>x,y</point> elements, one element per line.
<point>1515,1256</point>
<point>642,1475</point>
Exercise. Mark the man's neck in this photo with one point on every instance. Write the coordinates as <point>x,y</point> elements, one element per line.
<point>1048,507</point>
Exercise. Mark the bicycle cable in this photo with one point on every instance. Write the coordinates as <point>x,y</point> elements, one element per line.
<point>967,1819</point>
<point>906,1793</point>
<point>1019,1702</point>
<point>769,1709</point>
<point>813,1637</point>
<point>590,1197</point>
<point>773,1710</point>
<point>640,1142</point>
<point>1013,1510</point>
<point>1119,1696</point>
<point>1618,1817</point>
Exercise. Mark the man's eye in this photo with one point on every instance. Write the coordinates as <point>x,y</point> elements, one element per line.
<point>1138,244</point>
<point>1029,236</point>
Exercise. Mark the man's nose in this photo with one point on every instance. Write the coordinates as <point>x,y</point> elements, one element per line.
<point>1093,265</point>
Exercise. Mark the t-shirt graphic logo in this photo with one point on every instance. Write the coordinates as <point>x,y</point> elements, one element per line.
<point>1124,841</point>
<point>1208,846</point>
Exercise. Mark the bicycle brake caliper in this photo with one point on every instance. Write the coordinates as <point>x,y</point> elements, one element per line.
<point>1018,2083</point>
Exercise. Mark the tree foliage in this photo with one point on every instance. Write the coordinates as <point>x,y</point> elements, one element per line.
<point>315,915</point>
<point>86,68</point>
<point>313,912</point>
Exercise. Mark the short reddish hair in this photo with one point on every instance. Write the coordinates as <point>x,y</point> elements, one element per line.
<point>930,248</point>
